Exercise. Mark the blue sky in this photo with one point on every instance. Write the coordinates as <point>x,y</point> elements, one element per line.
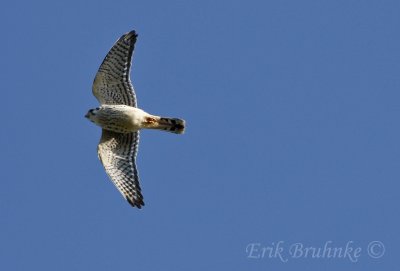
<point>292,111</point>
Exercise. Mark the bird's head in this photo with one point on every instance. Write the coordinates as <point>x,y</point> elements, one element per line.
<point>91,114</point>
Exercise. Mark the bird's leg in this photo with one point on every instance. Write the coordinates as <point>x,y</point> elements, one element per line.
<point>150,120</point>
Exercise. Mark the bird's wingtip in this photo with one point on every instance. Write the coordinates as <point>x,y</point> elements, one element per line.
<point>131,35</point>
<point>139,203</point>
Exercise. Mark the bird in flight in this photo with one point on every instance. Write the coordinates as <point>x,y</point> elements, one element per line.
<point>121,119</point>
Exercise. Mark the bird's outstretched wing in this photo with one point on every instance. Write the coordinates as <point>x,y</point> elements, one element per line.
<point>112,84</point>
<point>117,152</point>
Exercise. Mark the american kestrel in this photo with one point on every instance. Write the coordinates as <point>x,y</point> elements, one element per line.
<point>121,119</point>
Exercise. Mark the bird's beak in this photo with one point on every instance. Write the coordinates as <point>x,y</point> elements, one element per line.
<point>87,115</point>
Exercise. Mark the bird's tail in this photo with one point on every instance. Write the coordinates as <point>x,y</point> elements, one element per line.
<point>172,125</point>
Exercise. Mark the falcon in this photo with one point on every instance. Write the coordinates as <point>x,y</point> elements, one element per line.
<point>121,119</point>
